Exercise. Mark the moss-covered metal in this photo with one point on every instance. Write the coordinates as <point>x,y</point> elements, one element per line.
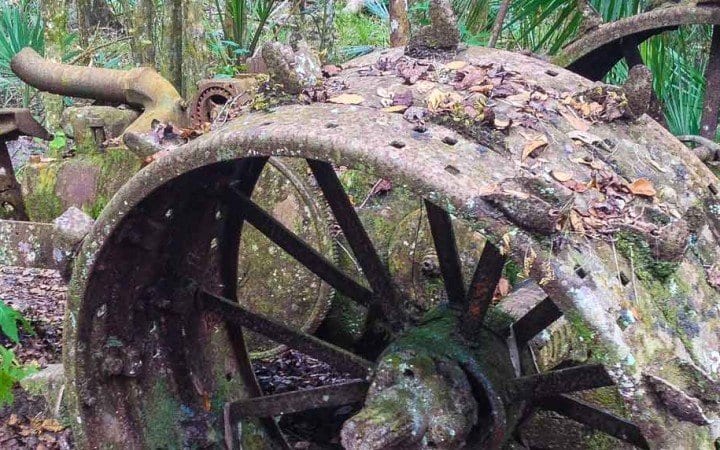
<point>465,179</point>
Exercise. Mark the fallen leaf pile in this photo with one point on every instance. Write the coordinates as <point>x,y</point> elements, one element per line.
<point>611,206</point>
<point>292,371</point>
<point>23,431</point>
<point>40,295</point>
<point>602,103</point>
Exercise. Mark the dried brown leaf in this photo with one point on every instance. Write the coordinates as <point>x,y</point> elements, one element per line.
<point>395,109</point>
<point>576,222</point>
<point>455,65</point>
<point>534,147</point>
<point>642,186</point>
<point>51,425</point>
<point>576,122</point>
<point>347,99</point>
<point>561,176</point>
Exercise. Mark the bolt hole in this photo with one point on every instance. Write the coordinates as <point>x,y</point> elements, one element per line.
<point>713,189</point>
<point>331,125</point>
<point>624,279</point>
<point>452,169</point>
<point>409,373</point>
<point>397,144</point>
<point>449,140</point>
<point>579,271</point>
<point>552,73</point>
<point>228,376</point>
<point>420,129</point>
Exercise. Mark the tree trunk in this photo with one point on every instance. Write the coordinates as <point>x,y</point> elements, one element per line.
<point>169,54</point>
<point>195,54</point>
<point>92,14</point>
<point>55,15</point>
<point>143,18</point>
<point>399,23</point>
<point>499,22</point>
<point>711,108</point>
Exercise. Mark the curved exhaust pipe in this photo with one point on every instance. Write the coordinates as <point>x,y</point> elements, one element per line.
<point>142,87</point>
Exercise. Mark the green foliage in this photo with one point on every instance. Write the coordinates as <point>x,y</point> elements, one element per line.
<point>244,24</point>
<point>356,33</point>
<point>378,8</point>
<point>11,371</point>
<point>20,26</point>
<point>9,321</point>
<point>677,59</point>
<point>58,145</point>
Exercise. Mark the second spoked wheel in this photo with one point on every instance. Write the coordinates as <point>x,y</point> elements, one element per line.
<point>156,355</point>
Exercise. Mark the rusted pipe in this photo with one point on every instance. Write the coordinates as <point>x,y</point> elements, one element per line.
<point>141,87</point>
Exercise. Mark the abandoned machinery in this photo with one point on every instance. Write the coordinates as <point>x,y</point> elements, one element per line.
<point>611,222</point>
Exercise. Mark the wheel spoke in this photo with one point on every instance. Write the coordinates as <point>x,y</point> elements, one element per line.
<point>563,381</point>
<point>444,239</point>
<point>247,173</point>
<point>482,288</point>
<point>301,251</point>
<point>631,52</point>
<point>595,418</point>
<point>292,402</point>
<point>360,243</point>
<point>536,320</point>
<point>276,331</point>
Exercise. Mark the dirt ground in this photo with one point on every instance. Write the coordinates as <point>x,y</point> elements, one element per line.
<point>40,296</point>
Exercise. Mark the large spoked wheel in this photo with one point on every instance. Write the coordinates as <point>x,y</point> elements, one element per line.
<point>594,54</point>
<point>155,351</point>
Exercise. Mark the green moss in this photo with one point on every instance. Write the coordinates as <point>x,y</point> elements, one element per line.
<point>160,418</point>
<point>93,210</point>
<point>436,334</point>
<point>579,326</point>
<point>41,202</point>
<point>512,271</point>
<point>601,441</point>
<point>609,398</point>
<point>670,297</point>
<point>647,267</point>
<point>117,166</point>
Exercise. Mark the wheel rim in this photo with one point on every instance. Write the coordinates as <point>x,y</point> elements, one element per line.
<point>180,229</point>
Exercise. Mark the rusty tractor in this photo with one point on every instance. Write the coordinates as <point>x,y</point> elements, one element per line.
<point>504,167</point>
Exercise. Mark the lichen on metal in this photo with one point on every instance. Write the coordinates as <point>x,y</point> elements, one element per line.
<point>140,87</point>
<point>534,178</point>
<point>13,124</point>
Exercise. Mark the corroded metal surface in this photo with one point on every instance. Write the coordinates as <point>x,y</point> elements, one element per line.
<point>217,97</point>
<point>140,87</point>
<point>486,180</point>
<point>13,124</point>
<point>595,53</point>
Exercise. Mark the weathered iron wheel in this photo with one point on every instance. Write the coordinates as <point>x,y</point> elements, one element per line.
<point>154,299</point>
<point>596,52</point>
<point>150,361</point>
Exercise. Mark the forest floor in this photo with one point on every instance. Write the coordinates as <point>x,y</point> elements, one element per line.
<point>40,295</point>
